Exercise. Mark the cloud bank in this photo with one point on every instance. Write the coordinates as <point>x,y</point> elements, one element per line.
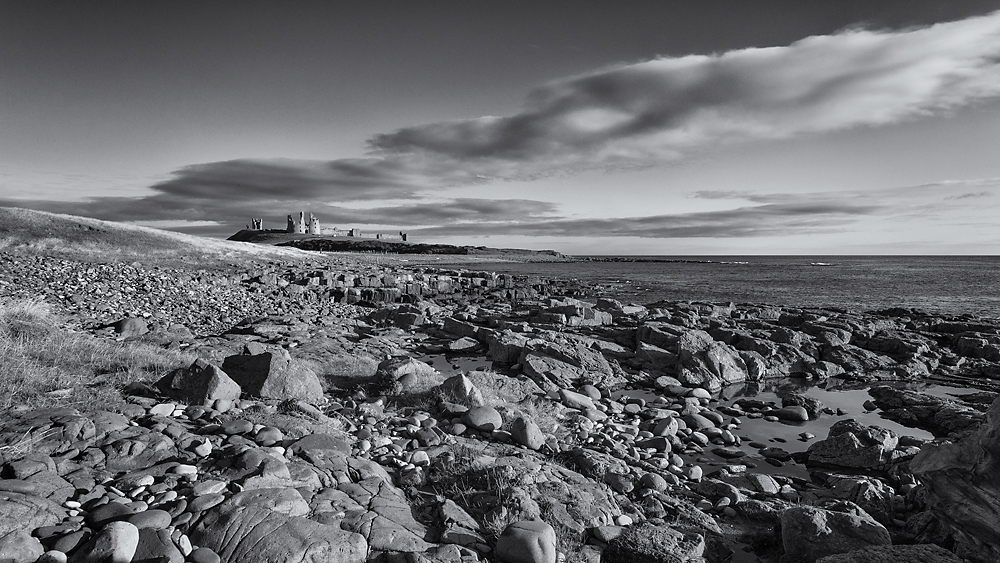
<point>630,115</point>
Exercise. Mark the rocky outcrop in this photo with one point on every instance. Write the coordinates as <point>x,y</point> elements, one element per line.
<point>962,488</point>
<point>852,444</point>
<point>811,532</point>
<point>273,374</point>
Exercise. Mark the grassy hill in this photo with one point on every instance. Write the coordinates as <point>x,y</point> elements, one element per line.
<point>82,237</point>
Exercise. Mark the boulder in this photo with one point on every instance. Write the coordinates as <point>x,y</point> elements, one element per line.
<point>388,523</point>
<point>156,545</point>
<point>962,488</point>
<point>486,419</point>
<point>648,543</point>
<point>116,542</point>
<point>852,444</point>
<point>200,383</point>
<point>132,326</point>
<point>19,511</point>
<point>703,362</point>
<point>871,494</point>
<point>524,431</point>
<point>254,533</point>
<point>463,344</point>
<point>527,541</point>
<point>940,415</point>
<point>19,547</point>
<point>400,374</point>
<point>506,347</point>
<point>274,375</point>
<point>811,532</point>
<point>460,389</point>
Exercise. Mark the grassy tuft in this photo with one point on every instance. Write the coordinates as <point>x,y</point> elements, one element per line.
<point>25,320</point>
<point>42,364</point>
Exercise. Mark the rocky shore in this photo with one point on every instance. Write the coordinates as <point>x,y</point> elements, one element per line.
<point>337,410</point>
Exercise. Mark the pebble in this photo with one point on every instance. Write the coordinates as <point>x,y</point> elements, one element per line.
<point>205,502</point>
<point>203,555</point>
<point>155,519</point>
<point>237,426</point>
<point>209,488</point>
<point>184,469</point>
<point>52,556</point>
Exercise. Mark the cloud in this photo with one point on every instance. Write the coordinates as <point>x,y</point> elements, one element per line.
<point>666,109</point>
<point>629,115</point>
<point>762,220</point>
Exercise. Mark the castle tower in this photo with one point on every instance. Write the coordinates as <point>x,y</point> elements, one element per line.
<point>291,225</point>
<point>314,228</point>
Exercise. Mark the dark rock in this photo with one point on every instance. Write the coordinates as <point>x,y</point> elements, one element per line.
<point>921,553</point>
<point>274,375</point>
<point>852,444</point>
<point>962,488</point>
<point>200,383</point>
<point>531,541</point>
<point>811,532</point>
<point>132,326</point>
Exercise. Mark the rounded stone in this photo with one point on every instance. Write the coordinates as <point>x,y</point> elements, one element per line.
<point>527,541</point>
<point>52,556</point>
<point>793,413</point>
<point>204,555</point>
<point>237,426</point>
<point>162,409</point>
<point>693,472</point>
<point>205,502</point>
<point>524,431</point>
<point>591,391</point>
<point>155,519</point>
<point>486,419</point>
<point>268,436</point>
<point>210,487</point>
<point>653,481</point>
<point>115,543</point>
<point>108,513</point>
<point>729,453</point>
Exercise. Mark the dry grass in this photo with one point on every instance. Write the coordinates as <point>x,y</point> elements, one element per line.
<point>102,241</point>
<point>42,364</point>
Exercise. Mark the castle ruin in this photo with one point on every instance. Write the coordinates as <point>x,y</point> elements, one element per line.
<point>311,226</point>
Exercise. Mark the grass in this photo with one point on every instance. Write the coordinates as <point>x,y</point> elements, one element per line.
<point>42,364</point>
<point>102,241</point>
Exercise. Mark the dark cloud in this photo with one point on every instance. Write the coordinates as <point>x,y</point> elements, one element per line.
<point>763,220</point>
<point>971,195</point>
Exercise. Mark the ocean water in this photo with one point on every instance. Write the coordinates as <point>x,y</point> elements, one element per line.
<point>950,285</point>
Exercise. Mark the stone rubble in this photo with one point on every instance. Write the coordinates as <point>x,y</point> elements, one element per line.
<point>279,444</point>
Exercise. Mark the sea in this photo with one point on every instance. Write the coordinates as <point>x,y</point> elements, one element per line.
<point>944,285</point>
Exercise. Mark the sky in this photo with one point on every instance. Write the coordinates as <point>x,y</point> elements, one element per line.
<point>630,127</point>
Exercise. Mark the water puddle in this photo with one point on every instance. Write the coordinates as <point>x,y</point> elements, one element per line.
<point>786,435</point>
